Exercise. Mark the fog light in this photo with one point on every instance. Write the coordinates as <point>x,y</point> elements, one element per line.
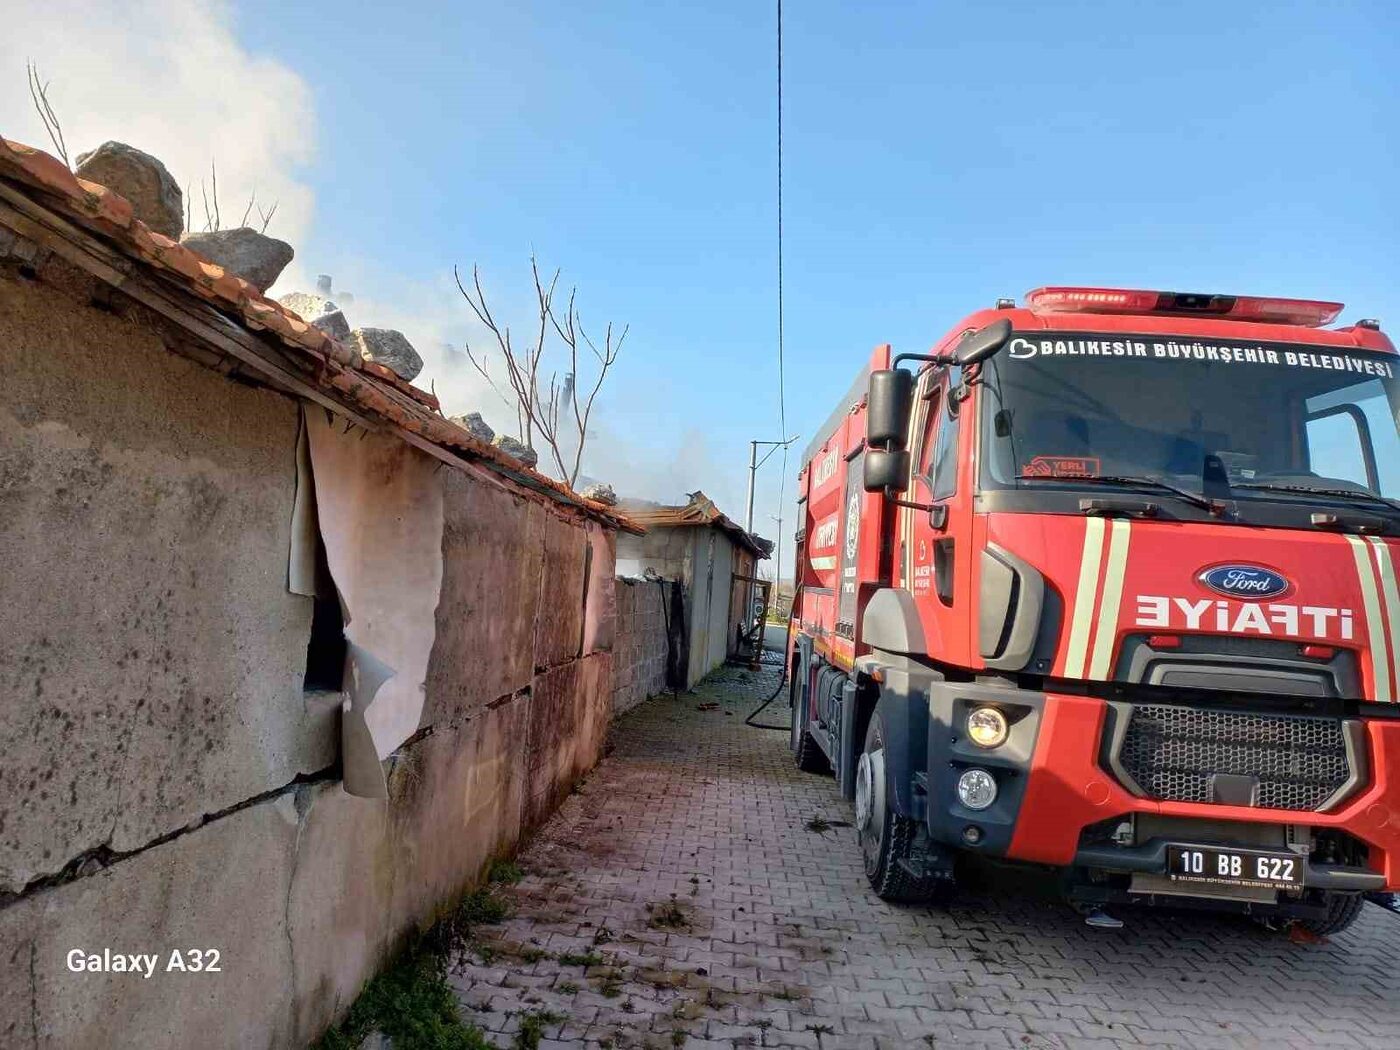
<point>986,727</point>
<point>972,834</point>
<point>977,789</point>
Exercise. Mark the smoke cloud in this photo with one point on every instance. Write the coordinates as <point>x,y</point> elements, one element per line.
<point>168,77</point>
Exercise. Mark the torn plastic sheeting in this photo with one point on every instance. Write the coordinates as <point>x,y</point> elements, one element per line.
<point>379,509</point>
<point>361,771</point>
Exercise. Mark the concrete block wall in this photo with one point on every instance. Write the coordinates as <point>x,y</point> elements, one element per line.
<point>151,656</point>
<point>170,786</point>
<point>640,645</point>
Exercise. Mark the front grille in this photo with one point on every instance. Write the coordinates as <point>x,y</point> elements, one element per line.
<point>1173,753</point>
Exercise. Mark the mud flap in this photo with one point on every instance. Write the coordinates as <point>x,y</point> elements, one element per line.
<point>849,747</point>
<point>903,707</point>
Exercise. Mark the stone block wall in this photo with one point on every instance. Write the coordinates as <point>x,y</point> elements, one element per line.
<point>640,646</point>
<point>170,784</point>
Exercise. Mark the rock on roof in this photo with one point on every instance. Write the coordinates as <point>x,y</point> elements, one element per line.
<point>93,227</point>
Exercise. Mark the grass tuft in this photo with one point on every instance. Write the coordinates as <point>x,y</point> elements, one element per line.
<point>667,915</point>
<point>532,1027</point>
<point>506,871</point>
<point>411,1003</point>
<point>580,959</point>
<point>480,908</point>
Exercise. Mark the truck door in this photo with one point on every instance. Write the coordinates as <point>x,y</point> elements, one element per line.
<point>936,546</point>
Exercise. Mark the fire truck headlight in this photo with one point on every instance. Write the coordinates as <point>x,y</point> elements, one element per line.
<point>986,727</point>
<point>977,789</point>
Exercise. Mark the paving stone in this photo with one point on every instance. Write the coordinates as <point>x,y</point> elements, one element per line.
<point>795,951</point>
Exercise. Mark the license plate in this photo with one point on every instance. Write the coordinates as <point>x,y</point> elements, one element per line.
<point>1231,867</point>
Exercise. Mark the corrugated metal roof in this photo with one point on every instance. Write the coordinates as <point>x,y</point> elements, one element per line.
<point>699,512</point>
<point>40,194</point>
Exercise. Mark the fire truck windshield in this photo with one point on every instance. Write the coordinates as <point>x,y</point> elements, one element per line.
<point>1271,420</point>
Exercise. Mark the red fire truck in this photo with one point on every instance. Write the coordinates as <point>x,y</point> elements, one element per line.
<point>1105,582</point>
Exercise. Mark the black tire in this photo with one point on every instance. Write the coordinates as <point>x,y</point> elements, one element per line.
<point>806,752</point>
<point>1342,910</point>
<point>885,837</point>
<point>809,756</point>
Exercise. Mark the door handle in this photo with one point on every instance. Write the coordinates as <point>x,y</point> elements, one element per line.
<point>938,516</point>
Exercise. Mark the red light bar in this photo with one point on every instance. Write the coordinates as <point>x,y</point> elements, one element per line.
<point>1310,313</point>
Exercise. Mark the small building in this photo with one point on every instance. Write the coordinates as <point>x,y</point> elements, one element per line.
<point>711,556</point>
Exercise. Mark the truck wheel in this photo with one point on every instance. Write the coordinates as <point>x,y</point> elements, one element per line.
<point>885,837</point>
<point>809,757</point>
<point>1342,910</point>
<point>805,750</point>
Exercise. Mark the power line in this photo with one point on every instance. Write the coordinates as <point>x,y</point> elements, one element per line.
<point>782,394</point>
<point>782,406</point>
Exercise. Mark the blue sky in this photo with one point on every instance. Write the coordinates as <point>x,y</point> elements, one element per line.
<point>937,156</point>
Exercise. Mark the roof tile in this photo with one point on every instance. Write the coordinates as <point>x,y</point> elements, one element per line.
<point>106,204</point>
<point>368,384</point>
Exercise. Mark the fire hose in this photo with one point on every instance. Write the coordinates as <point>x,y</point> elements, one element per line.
<point>782,679</point>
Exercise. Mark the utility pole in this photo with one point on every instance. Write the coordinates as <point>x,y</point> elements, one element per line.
<point>754,464</point>
<point>778,560</point>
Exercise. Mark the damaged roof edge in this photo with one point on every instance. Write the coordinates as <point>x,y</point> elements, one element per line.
<point>699,512</point>
<point>92,227</point>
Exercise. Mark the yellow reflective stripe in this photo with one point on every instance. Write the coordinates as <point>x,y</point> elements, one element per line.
<point>1085,594</point>
<point>1112,598</point>
<point>1370,602</point>
<point>1385,568</point>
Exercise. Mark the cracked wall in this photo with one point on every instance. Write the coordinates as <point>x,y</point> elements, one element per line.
<point>170,785</point>
<point>151,657</point>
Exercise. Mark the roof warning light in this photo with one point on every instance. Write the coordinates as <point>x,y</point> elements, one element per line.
<point>1310,313</point>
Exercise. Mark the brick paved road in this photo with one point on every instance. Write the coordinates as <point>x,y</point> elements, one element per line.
<point>681,898</point>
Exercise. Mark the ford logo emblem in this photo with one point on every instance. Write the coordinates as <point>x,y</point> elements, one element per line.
<point>1247,583</point>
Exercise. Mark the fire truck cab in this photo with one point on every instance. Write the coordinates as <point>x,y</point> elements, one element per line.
<point>1105,582</point>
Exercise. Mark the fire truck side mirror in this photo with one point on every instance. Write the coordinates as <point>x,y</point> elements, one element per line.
<point>886,471</point>
<point>983,343</point>
<point>887,413</point>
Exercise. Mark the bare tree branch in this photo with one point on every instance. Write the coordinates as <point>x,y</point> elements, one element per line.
<point>520,397</point>
<point>249,210</point>
<point>606,358</point>
<point>39,95</point>
<point>267,215</point>
<point>557,413</point>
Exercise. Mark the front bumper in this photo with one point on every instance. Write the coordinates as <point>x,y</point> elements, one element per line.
<point>1151,858</point>
<point>1053,786</point>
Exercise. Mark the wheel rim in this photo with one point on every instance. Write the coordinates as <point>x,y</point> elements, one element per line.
<point>870,805</point>
<point>863,791</point>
